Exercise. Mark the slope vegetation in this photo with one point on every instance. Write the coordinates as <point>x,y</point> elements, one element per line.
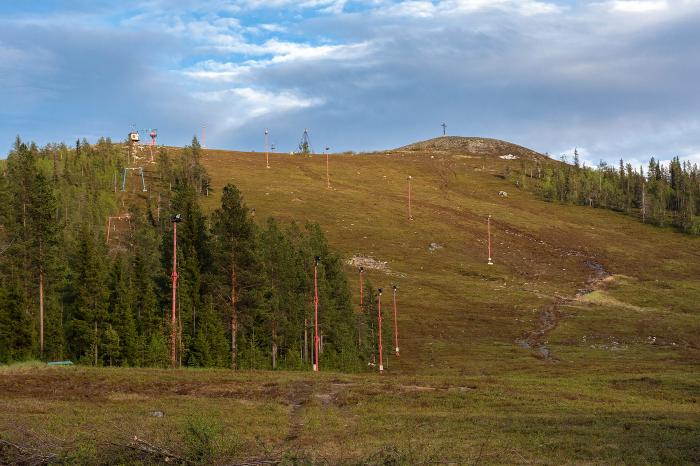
<point>578,346</point>
<point>458,314</point>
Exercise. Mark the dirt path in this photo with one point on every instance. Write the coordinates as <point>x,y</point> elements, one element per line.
<point>298,397</point>
<point>550,316</point>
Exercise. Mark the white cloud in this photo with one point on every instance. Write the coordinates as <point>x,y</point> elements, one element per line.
<point>282,52</point>
<point>236,107</point>
<point>452,8</point>
<point>638,6</point>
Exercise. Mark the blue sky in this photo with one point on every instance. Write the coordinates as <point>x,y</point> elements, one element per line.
<point>615,78</point>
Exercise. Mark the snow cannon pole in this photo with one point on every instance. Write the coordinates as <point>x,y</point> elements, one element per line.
<point>396,326</point>
<point>317,259</point>
<point>379,320</point>
<point>176,219</point>
<point>488,226</point>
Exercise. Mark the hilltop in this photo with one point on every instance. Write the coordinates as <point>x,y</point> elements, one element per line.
<point>472,146</point>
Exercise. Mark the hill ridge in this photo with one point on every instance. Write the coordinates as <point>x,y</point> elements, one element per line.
<point>472,145</point>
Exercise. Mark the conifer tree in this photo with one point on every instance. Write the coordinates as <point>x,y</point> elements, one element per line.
<point>236,262</point>
<point>121,315</point>
<point>90,300</point>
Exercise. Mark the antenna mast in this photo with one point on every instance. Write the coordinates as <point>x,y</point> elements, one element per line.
<point>305,143</point>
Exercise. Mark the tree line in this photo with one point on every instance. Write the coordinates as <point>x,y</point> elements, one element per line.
<point>245,290</point>
<point>664,195</point>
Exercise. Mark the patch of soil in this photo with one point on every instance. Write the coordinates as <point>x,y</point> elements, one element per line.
<point>549,317</point>
<point>369,263</point>
<point>299,395</point>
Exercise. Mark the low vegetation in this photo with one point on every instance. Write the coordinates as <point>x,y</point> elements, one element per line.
<point>578,346</point>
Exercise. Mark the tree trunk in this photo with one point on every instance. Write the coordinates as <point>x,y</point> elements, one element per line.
<point>41,312</point>
<point>95,343</point>
<point>234,318</point>
<point>306,341</point>
<point>274,350</point>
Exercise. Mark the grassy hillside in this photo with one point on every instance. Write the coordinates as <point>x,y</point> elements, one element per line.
<point>580,345</point>
<point>459,315</point>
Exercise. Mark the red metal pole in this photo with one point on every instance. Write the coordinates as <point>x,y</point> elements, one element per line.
<point>379,320</point>
<point>488,223</point>
<point>174,278</point>
<point>362,287</point>
<point>396,326</point>
<point>267,152</point>
<point>316,338</point>
<point>328,173</point>
<point>410,215</point>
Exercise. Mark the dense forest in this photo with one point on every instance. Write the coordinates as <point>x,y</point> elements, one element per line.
<point>664,195</point>
<point>86,263</point>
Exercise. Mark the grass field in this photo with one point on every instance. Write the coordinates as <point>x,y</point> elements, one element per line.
<point>580,345</point>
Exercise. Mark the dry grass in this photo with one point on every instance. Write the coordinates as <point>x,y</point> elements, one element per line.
<point>620,386</point>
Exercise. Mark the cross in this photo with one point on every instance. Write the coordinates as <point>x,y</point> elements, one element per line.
<point>444,128</point>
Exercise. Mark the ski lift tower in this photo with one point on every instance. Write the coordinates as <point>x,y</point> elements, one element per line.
<point>134,139</point>
<point>305,144</point>
<point>154,135</point>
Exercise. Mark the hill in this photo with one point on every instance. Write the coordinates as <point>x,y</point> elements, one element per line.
<point>456,312</point>
<point>472,146</point>
<point>579,345</point>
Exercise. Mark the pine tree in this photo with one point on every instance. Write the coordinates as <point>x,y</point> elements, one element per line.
<point>43,240</point>
<point>16,328</point>
<point>236,261</point>
<point>90,293</point>
<point>121,316</point>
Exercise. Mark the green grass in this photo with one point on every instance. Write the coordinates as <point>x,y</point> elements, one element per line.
<point>463,389</point>
<point>635,418</point>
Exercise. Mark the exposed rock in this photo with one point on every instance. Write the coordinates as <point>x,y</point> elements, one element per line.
<point>473,146</point>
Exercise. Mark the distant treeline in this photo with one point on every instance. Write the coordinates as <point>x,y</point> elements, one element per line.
<point>664,195</point>
<point>245,292</point>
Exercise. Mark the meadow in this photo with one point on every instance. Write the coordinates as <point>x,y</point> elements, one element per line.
<point>580,345</point>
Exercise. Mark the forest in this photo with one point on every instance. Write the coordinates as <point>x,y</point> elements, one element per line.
<point>666,195</point>
<point>78,285</point>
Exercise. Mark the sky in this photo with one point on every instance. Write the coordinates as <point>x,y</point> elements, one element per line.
<point>612,78</point>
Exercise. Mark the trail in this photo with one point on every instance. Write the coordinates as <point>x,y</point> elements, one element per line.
<point>551,315</point>
<point>298,397</point>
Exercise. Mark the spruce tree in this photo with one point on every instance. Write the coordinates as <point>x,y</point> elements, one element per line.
<point>236,262</point>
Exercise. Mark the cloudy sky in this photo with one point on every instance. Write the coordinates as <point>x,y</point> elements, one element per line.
<point>615,78</point>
